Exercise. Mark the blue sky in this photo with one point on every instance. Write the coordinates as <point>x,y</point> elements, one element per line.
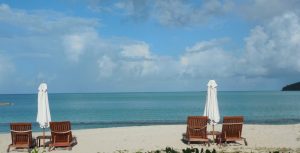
<point>145,45</point>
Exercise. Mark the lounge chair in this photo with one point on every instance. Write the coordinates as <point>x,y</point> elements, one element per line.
<point>232,130</point>
<point>61,135</point>
<point>196,129</point>
<point>21,136</point>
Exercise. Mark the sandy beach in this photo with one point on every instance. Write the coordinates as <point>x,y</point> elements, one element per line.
<point>261,138</point>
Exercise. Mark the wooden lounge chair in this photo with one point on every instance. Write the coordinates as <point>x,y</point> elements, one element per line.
<point>61,135</point>
<point>21,136</point>
<point>232,130</point>
<point>196,129</point>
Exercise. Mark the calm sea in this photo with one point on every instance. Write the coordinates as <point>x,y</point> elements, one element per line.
<point>132,109</point>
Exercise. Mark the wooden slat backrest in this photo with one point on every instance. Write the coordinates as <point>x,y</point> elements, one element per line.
<point>232,126</point>
<point>197,126</point>
<point>60,126</point>
<point>61,131</point>
<point>21,133</point>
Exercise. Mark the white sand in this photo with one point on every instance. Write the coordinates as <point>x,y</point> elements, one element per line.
<point>261,138</point>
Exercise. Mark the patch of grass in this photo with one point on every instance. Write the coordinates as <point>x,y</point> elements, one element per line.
<point>170,150</point>
<point>223,150</point>
<point>36,150</point>
<point>122,151</point>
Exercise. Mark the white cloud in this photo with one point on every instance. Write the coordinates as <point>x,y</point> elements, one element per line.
<point>181,13</point>
<point>6,67</point>
<point>168,12</point>
<point>215,44</point>
<point>262,10</point>
<point>274,47</point>
<point>43,77</point>
<point>150,67</point>
<point>193,13</point>
<point>129,60</point>
<point>271,50</point>
<point>207,59</point>
<point>135,9</point>
<point>4,7</point>
<point>74,46</point>
<point>40,41</point>
<point>140,50</point>
<point>44,22</point>
<point>140,68</point>
<point>134,61</point>
<point>106,67</point>
<point>47,28</point>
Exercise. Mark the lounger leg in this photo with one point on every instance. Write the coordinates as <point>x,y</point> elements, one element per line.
<point>220,143</point>
<point>75,140</point>
<point>245,141</point>
<point>8,149</point>
<point>225,143</point>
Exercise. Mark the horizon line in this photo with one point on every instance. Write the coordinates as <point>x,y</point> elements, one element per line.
<point>116,92</point>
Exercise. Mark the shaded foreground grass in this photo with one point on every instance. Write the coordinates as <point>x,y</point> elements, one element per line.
<point>202,150</point>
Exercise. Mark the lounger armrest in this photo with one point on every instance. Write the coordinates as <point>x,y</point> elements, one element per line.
<point>21,131</point>
<point>233,123</point>
<point>196,129</point>
<point>64,132</point>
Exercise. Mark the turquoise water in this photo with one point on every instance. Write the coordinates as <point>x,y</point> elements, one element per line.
<point>131,109</point>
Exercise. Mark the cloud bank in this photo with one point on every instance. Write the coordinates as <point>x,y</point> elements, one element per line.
<point>174,13</point>
<point>71,54</point>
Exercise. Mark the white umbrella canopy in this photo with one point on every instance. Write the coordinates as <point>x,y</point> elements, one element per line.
<point>43,112</point>
<point>211,109</point>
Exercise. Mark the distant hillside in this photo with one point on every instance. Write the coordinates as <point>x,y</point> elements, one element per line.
<point>292,87</point>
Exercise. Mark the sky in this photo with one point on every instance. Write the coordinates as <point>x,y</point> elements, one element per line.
<point>78,46</point>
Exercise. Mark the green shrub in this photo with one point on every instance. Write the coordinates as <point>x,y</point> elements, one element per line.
<point>170,150</point>
<point>190,150</point>
<point>207,151</point>
<point>202,150</point>
<point>36,150</point>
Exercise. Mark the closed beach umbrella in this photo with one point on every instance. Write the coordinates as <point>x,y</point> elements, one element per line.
<point>43,112</point>
<point>211,109</point>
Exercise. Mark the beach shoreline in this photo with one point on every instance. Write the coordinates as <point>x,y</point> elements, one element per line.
<point>260,138</point>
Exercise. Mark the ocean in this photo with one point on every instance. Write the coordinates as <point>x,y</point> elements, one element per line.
<point>100,110</point>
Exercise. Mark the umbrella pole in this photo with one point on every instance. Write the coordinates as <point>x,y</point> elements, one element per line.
<point>213,133</point>
<point>44,138</point>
